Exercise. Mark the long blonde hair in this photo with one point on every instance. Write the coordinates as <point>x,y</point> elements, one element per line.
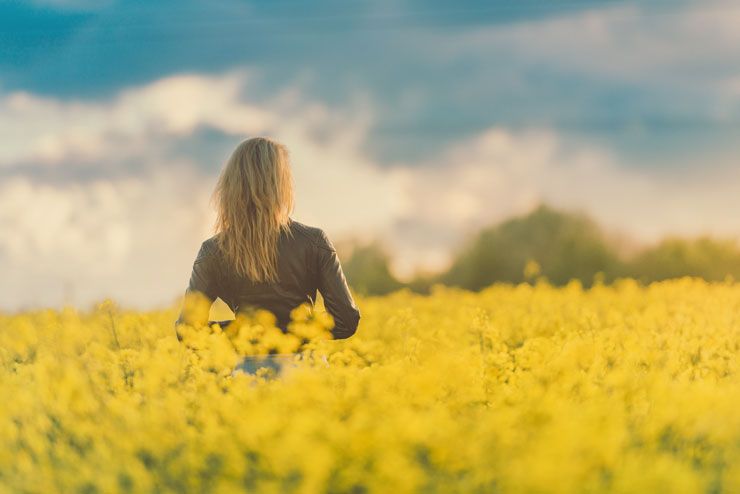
<point>254,200</point>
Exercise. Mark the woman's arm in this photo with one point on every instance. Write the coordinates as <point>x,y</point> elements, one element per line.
<point>333,287</point>
<point>202,289</point>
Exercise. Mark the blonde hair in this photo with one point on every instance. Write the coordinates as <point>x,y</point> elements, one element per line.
<point>254,200</point>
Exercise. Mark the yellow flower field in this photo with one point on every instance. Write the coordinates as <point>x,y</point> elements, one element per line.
<point>514,389</point>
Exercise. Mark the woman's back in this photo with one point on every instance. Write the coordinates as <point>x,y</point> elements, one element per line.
<point>260,257</point>
<point>306,262</point>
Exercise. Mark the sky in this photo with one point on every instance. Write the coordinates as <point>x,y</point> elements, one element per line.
<point>412,122</point>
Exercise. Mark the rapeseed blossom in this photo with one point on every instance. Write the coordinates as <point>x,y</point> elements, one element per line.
<point>524,388</point>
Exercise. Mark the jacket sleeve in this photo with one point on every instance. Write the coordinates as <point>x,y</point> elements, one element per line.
<point>333,287</point>
<point>202,289</point>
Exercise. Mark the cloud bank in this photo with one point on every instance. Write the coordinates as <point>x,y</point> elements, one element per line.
<point>131,215</point>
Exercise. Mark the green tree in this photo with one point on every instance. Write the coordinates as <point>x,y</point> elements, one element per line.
<point>564,245</point>
<point>703,257</point>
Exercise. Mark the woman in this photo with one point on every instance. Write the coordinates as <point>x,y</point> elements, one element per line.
<point>262,258</point>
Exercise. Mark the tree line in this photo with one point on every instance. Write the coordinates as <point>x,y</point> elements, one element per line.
<point>557,245</point>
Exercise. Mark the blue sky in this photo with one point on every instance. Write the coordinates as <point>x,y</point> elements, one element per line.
<point>456,113</point>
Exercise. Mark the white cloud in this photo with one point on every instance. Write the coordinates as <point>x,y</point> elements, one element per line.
<point>120,238</point>
<point>48,131</point>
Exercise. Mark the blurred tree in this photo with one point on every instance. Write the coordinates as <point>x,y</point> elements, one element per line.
<point>559,246</point>
<point>367,270</point>
<point>703,257</point>
<point>563,246</point>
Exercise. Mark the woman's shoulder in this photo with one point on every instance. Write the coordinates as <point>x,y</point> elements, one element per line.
<point>208,248</point>
<point>314,234</point>
<point>304,230</point>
